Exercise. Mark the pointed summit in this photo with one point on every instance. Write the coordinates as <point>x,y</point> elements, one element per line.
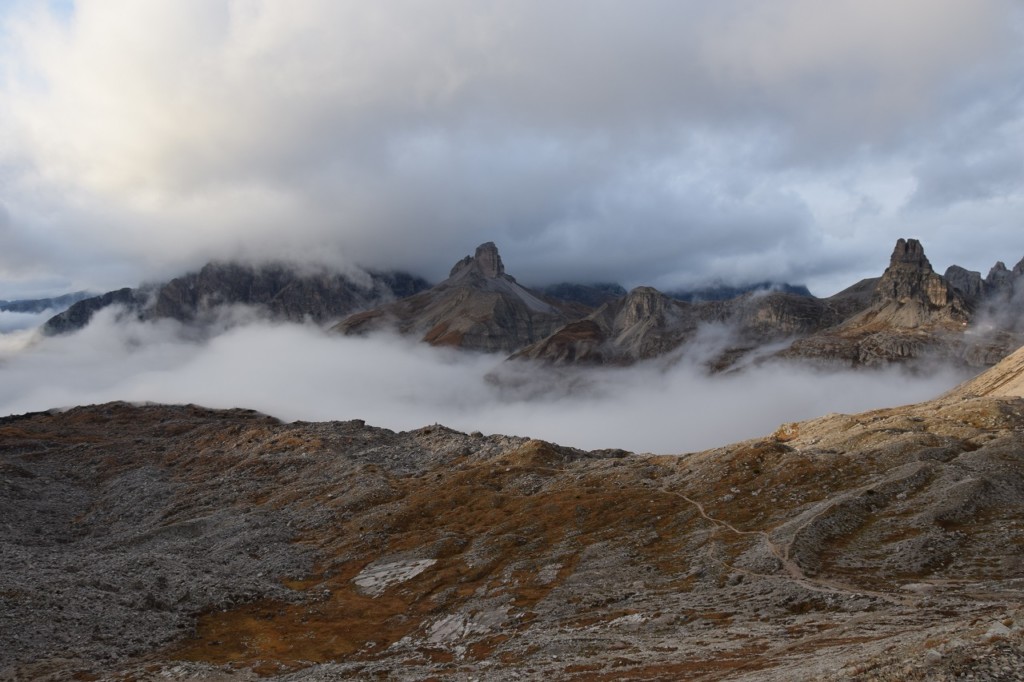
<point>486,261</point>
<point>910,280</point>
<point>914,312</point>
<point>910,252</point>
<point>479,307</point>
<point>999,282</point>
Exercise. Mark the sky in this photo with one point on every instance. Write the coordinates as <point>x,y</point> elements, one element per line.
<point>659,142</point>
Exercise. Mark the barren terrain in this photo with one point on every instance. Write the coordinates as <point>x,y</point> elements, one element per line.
<point>176,542</point>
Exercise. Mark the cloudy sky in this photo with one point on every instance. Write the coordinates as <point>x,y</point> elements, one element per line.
<point>648,142</point>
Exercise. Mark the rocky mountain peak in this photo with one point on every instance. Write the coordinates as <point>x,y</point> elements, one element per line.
<point>479,307</point>
<point>910,252</point>
<point>910,279</point>
<point>643,303</point>
<point>1018,269</point>
<point>999,278</point>
<point>486,261</point>
<point>967,282</point>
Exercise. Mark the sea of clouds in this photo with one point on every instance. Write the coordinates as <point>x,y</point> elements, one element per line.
<point>300,372</point>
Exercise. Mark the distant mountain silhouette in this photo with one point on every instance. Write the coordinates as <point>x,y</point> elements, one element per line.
<point>281,292</point>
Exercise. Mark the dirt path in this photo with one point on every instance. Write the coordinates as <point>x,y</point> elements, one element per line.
<point>793,570</point>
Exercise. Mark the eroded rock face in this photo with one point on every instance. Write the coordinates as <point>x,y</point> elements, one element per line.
<point>485,262</point>
<point>179,542</point>
<point>912,293</point>
<point>968,282</point>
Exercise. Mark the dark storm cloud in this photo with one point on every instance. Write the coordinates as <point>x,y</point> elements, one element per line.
<point>649,142</point>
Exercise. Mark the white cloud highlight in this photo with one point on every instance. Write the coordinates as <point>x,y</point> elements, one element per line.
<point>142,138</point>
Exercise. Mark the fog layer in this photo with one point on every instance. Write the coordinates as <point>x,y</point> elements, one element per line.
<point>301,373</point>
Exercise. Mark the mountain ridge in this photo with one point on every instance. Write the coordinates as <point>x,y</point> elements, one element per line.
<point>281,291</point>
<point>909,315</point>
<point>478,307</point>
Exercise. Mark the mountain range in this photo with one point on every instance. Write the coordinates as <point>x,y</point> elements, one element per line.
<point>909,315</point>
<point>278,291</point>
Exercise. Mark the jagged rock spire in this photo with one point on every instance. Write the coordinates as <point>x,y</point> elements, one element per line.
<point>910,252</point>
<point>488,260</point>
<point>910,281</point>
<point>485,261</point>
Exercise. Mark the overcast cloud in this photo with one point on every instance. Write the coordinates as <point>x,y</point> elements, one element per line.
<point>656,142</point>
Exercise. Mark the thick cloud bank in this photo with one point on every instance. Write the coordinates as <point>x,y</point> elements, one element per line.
<point>659,142</point>
<point>296,372</point>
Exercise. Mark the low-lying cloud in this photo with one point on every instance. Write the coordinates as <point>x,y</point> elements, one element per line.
<point>298,372</point>
<point>11,321</point>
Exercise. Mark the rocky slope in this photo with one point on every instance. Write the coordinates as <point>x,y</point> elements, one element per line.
<point>478,307</point>
<point>158,542</point>
<point>277,291</point>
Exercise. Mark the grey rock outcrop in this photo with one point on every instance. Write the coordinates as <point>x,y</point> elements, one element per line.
<point>641,325</point>
<point>999,286</point>
<point>968,282</point>
<point>1000,306</point>
<point>486,262</point>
